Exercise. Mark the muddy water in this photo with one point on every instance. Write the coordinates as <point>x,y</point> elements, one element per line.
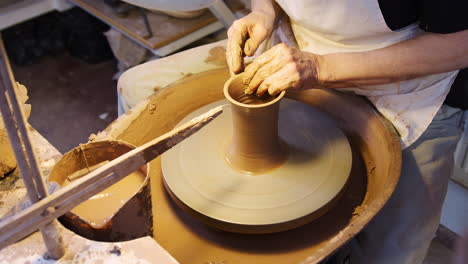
<point>100,208</point>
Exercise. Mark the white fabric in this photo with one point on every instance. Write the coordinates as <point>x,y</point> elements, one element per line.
<point>329,26</point>
<point>143,80</point>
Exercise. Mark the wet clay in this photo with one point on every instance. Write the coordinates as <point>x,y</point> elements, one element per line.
<point>100,208</point>
<point>7,157</point>
<point>374,175</point>
<point>217,56</point>
<point>259,168</point>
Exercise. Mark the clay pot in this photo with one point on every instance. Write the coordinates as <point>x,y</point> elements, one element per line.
<point>255,146</point>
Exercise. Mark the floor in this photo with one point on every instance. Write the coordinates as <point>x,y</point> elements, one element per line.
<point>70,99</point>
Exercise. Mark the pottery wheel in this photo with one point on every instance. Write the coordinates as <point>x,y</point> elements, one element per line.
<point>303,188</point>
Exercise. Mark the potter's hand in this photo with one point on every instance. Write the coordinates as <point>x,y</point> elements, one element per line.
<point>281,68</point>
<point>244,37</point>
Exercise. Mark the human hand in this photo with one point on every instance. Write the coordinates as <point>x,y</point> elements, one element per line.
<point>281,68</point>
<point>245,36</point>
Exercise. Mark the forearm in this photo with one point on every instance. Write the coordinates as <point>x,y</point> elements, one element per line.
<point>268,7</point>
<point>423,55</point>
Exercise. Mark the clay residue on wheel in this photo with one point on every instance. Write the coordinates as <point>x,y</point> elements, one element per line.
<point>217,56</point>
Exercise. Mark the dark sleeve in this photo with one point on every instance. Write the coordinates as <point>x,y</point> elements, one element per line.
<point>458,95</point>
<point>443,16</point>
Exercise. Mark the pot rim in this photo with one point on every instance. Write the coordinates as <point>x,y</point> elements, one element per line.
<point>252,106</point>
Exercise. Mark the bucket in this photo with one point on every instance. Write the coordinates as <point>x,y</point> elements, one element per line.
<point>133,218</point>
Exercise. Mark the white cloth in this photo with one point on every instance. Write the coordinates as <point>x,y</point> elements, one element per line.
<point>329,26</point>
<point>143,80</point>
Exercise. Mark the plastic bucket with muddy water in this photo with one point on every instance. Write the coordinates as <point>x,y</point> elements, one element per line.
<point>121,212</point>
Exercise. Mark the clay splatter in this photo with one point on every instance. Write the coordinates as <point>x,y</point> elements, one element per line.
<point>217,56</point>
<point>301,41</point>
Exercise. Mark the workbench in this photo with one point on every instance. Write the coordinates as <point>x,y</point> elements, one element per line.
<point>168,33</point>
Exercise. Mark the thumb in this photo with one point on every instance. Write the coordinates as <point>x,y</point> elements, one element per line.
<point>252,44</point>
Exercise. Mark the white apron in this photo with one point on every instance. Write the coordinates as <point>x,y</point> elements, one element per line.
<point>328,26</point>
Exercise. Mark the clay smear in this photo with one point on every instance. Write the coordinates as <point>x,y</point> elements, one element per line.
<point>100,208</point>
<point>217,56</point>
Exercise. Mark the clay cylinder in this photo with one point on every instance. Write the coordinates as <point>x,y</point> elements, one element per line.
<point>255,146</point>
<point>134,218</point>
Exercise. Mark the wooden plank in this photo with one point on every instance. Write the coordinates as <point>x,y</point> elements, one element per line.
<point>166,29</point>
<point>65,199</point>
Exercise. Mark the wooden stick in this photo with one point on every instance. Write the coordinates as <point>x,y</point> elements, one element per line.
<point>66,198</point>
<point>15,124</point>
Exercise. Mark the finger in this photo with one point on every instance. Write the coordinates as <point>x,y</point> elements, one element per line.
<point>257,36</point>
<point>264,72</point>
<point>286,78</point>
<point>261,60</point>
<point>265,57</point>
<point>234,48</point>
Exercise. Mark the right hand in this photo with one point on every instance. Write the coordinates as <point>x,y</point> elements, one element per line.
<point>244,37</point>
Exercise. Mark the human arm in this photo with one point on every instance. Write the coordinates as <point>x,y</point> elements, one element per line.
<point>424,55</point>
<point>247,33</point>
<point>282,67</point>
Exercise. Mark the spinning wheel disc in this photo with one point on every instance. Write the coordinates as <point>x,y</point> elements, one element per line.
<point>198,177</point>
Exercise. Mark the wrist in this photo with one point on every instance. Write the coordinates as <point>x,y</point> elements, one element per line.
<point>267,8</point>
<point>339,70</point>
<point>325,76</point>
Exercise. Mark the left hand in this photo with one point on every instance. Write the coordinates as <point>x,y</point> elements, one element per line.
<point>281,68</point>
